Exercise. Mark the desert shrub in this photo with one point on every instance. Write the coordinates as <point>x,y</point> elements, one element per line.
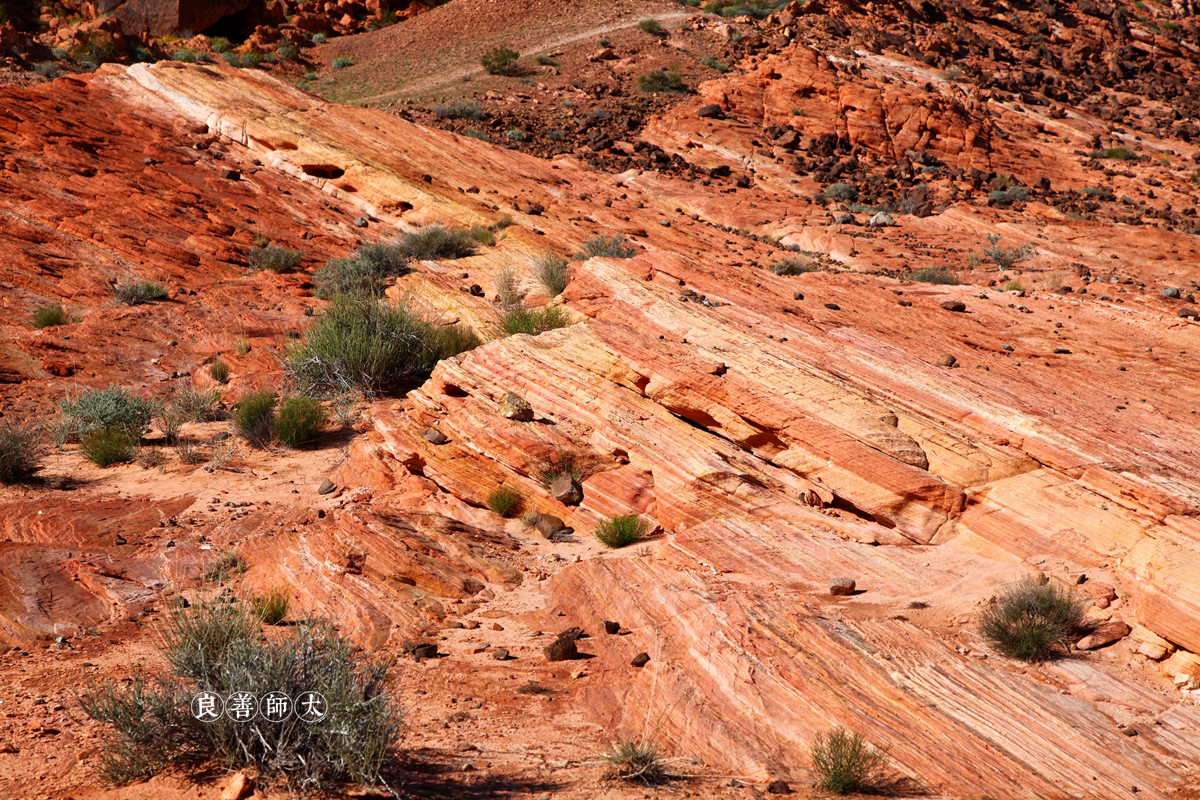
<point>220,44</point>
<point>365,344</point>
<point>508,288</point>
<point>386,18</point>
<point>1054,280</point>
<point>50,316</point>
<point>20,452</point>
<point>139,292</point>
<point>320,38</point>
<point>532,321</point>
<point>271,608</point>
<point>461,109</point>
<point>218,649</point>
<point>274,258</point>
<point>110,408</point>
<point>545,61</point>
<point>299,421</point>
<point>1114,153</point>
<point>938,275</point>
<point>1028,619</point>
<point>362,273</point>
<point>475,133</point>
<point>47,69</point>
<point>341,62</point>
<point>170,421</point>
<point>1012,285</point>
<point>637,761</point>
<point>1012,194</point>
<point>798,264</point>
<point>227,564</point>
<point>107,446</point>
<point>241,345</point>
<point>149,457</point>
<point>758,9</point>
<point>500,61</point>
<point>94,50</point>
<point>287,51</point>
<point>602,247</point>
<point>482,235</point>
<point>650,26</point>
<point>436,242</point>
<point>712,63</point>
<point>254,416</point>
<point>561,462</point>
<point>198,405</point>
<point>185,55</point>
<point>661,80</point>
<point>1006,258</point>
<point>840,191</point>
<point>621,530</point>
<point>504,501</point>
<point>552,271</point>
<point>218,371</point>
<point>845,762</point>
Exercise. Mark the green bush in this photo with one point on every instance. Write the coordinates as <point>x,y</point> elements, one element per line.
<point>1007,257</point>
<point>661,80</point>
<point>505,502</point>
<point>938,275</point>
<point>254,416</point>
<point>362,273</point>
<point>299,421</point>
<point>220,44</point>
<point>218,648</point>
<point>622,530</point>
<point>107,446</point>
<point>110,408</point>
<point>561,462</point>
<point>844,763</point>
<point>219,371</point>
<point>500,61</point>
<point>341,62</point>
<point>553,272</point>
<point>462,109</point>
<point>601,247</point>
<point>320,38</point>
<point>364,344</point>
<point>637,761</point>
<point>532,321</point>
<point>139,292</point>
<point>287,51</point>
<point>1114,153</point>
<point>47,69</point>
<point>227,564</point>
<point>712,63</point>
<point>184,55</point>
<point>20,452</point>
<point>1012,194</point>
<point>650,26</point>
<point>273,607</point>
<point>1028,619</point>
<point>50,316</point>
<point>435,242</point>
<point>274,258</point>
<point>840,191</point>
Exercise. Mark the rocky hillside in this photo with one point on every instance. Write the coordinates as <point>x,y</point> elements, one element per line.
<point>888,338</point>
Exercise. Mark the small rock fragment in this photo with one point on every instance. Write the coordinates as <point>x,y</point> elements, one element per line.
<point>500,654</point>
<point>640,660</point>
<point>239,787</point>
<point>566,491</point>
<point>1171,292</point>
<point>947,361</point>
<point>611,627</point>
<point>954,305</point>
<point>882,219</point>
<point>326,486</point>
<point>709,112</point>
<point>841,586</point>
<point>420,650</point>
<point>1188,312</point>
<point>434,436</point>
<point>515,408</point>
<point>1103,636</point>
<point>562,649</point>
<point>231,174</point>
<point>833,306</point>
<point>548,525</point>
<point>361,222</point>
<point>779,787</point>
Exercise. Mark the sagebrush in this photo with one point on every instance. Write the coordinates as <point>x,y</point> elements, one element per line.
<point>1031,621</point>
<point>845,762</point>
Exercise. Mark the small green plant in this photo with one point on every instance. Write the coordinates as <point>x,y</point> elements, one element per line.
<point>798,264</point>
<point>241,344</point>
<point>545,61</point>
<point>320,38</point>
<point>1027,620</point>
<point>185,55</point>
<point>651,27</point>
<point>485,236</point>
<point>937,275</point>
<point>500,61</point>
<point>552,271</point>
<point>1006,258</point>
<point>602,247</point>
<point>271,608</point>
<point>197,405</point>
<point>47,69</point>
<point>363,273</point>
<point>845,762</point>
<point>661,80</point>
<point>475,133</point>
<point>507,287</point>
<point>219,371</point>
<point>274,258</point>
<point>107,446</point>
<point>622,530</point>
<point>109,408</point>
<point>20,452</point>
<point>387,17</point>
<point>299,421</point>
<point>287,51</point>
<point>254,416</point>
<point>50,316</point>
<point>437,242</point>
<point>840,191</point>
<point>139,292</point>
<point>505,502</point>
<point>341,62</point>
<point>461,109</point>
<point>534,688</point>
<point>1012,285</point>
<point>1054,280</point>
<point>220,44</point>
<point>712,63</point>
<point>515,134</point>
<point>637,761</point>
<point>1012,194</point>
<point>226,565</point>
<point>532,321</point>
<point>547,469</point>
<point>1114,154</point>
